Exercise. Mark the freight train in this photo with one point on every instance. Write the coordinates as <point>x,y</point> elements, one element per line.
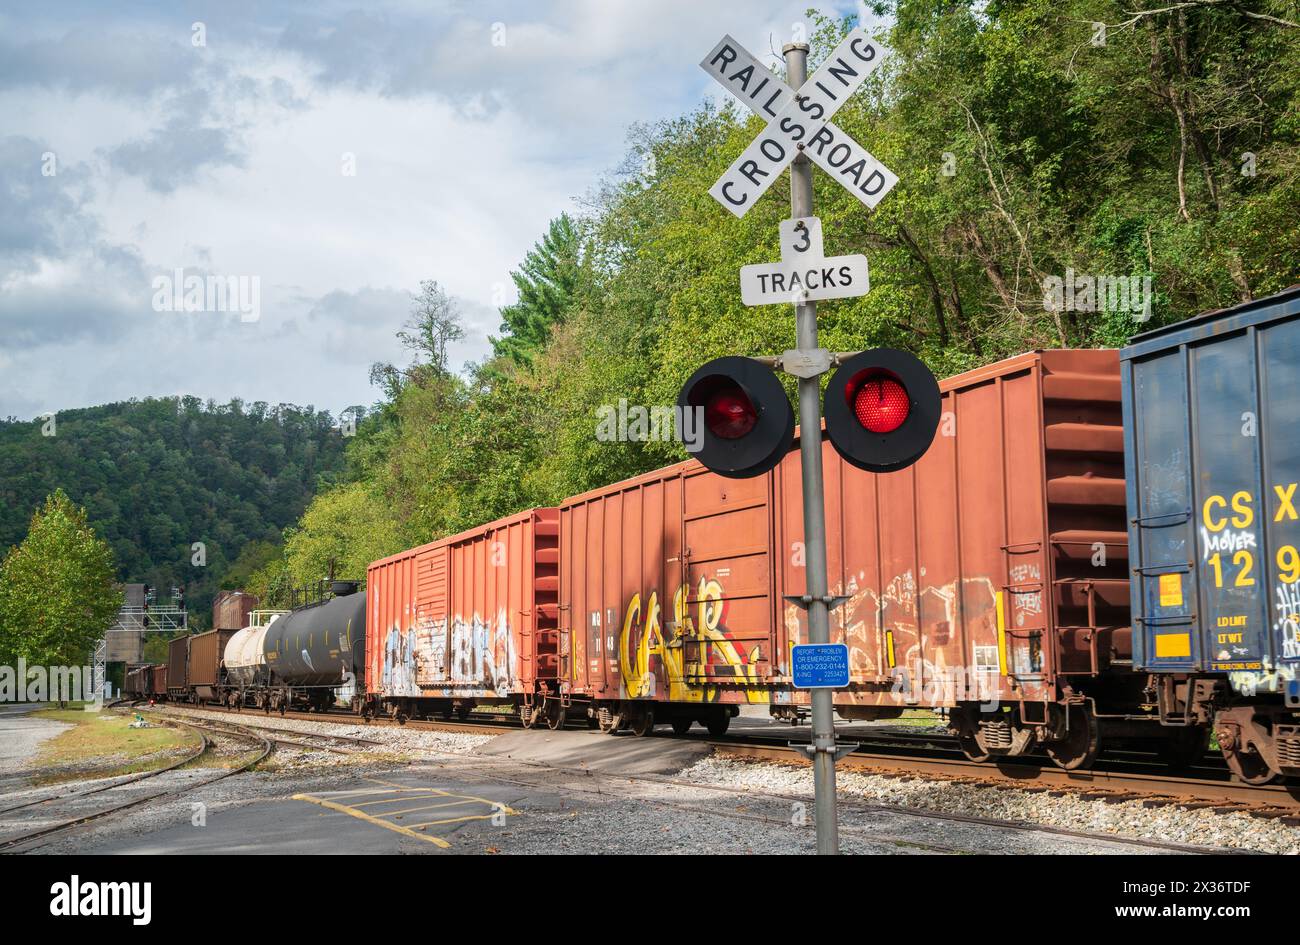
<point>1099,548</point>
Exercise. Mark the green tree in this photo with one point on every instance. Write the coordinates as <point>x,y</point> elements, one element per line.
<point>350,525</point>
<point>435,323</point>
<point>547,282</point>
<point>57,591</point>
<point>159,474</point>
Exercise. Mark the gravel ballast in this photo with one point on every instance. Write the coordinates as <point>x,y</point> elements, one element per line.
<point>1169,824</point>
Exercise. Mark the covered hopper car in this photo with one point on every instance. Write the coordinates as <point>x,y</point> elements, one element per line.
<point>1213,433</point>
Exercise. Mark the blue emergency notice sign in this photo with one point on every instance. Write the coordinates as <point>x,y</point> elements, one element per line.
<point>820,665</point>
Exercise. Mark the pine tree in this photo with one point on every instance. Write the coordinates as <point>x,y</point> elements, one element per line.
<point>547,283</point>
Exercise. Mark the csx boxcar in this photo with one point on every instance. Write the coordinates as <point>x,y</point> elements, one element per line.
<point>988,579</point>
<point>467,619</point>
<point>1213,463</point>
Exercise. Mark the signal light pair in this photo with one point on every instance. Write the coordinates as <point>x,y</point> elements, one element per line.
<point>881,407</point>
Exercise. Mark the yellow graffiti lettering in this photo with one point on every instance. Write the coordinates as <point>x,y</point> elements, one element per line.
<point>684,681</point>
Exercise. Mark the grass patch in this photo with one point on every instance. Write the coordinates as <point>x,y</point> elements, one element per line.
<point>921,718</point>
<point>104,745</point>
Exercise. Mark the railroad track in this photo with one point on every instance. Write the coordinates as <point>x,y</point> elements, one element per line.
<point>23,842</point>
<point>1121,776</point>
<point>301,739</point>
<point>480,726</point>
<point>132,779</point>
<point>1108,783</point>
<point>616,782</point>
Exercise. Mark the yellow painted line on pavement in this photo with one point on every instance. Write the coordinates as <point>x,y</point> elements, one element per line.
<point>362,815</point>
<point>397,798</point>
<point>471,797</point>
<point>456,820</point>
<point>412,810</point>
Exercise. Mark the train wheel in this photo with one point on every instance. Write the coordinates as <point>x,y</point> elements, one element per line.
<point>1082,742</point>
<point>610,722</point>
<point>718,723</point>
<point>555,715</point>
<point>462,712</point>
<point>1251,768</point>
<point>681,725</point>
<point>642,721</point>
<point>527,715</point>
<point>970,746</point>
<point>1246,742</point>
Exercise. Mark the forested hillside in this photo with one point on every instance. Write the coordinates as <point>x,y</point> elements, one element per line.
<point>1030,140</point>
<point>158,476</point>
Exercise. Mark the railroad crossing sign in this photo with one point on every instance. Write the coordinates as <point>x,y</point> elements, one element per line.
<point>798,122</point>
<point>804,274</point>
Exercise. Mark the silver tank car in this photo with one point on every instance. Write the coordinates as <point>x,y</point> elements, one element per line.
<point>244,657</point>
<point>318,645</point>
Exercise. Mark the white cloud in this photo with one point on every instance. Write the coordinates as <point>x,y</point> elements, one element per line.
<point>227,160</point>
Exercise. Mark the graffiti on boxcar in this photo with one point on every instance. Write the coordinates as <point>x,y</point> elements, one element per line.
<point>473,655</point>
<point>1026,603</point>
<point>906,636</point>
<point>1287,626</point>
<point>646,656</point>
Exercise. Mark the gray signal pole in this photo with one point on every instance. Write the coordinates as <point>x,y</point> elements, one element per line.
<point>814,501</point>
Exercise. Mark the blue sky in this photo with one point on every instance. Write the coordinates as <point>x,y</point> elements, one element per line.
<point>128,151</point>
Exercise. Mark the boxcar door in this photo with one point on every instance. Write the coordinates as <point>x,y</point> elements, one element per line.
<point>728,636</point>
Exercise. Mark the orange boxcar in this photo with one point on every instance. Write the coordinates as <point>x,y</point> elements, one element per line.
<point>993,572</point>
<point>467,619</point>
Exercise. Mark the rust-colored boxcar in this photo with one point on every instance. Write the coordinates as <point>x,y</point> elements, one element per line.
<point>157,681</point>
<point>993,572</point>
<point>178,655</point>
<point>205,673</point>
<point>639,619</point>
<point>136,681</point>
<point>231,609</point>
<point>466,619</point>
<point>991,577</point>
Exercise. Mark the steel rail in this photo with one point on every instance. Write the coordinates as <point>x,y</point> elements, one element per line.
<point>267,748</point>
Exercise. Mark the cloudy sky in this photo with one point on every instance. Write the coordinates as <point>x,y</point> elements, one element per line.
<point>337,152</point>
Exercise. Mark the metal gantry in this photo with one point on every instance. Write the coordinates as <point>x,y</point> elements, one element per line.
<point>135,618</point>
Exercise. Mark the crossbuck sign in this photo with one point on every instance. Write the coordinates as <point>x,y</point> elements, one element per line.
<point>798,122</point>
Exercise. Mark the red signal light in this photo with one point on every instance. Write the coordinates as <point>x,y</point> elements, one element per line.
<point>729,413</point>
<point>881,403</point>
<point>882,409</point>
<point>738,416</point>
